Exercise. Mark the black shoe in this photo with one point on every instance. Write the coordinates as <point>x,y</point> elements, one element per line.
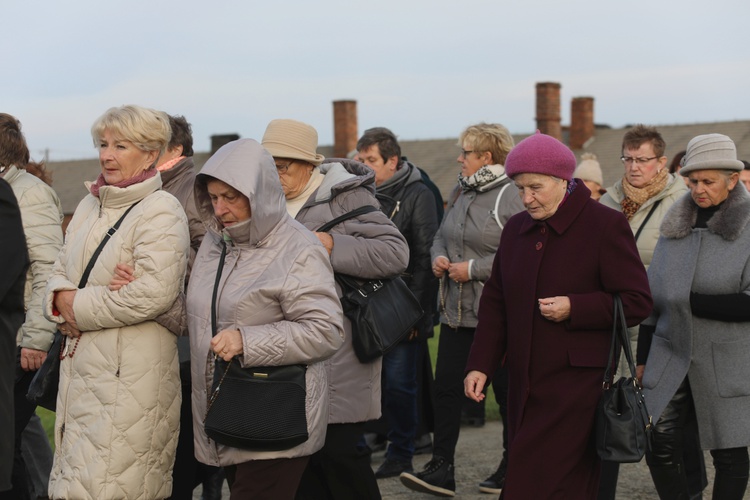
<point>391,468</point>
<point>213,484</point>
<point>423,444</point>
<point>495,483</point>
<point>436,478</point>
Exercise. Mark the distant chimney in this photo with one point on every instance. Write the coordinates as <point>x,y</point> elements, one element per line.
<point>217,141</point>
<point>344,127</point>
<point>581,121</point>
<point>548,109</point>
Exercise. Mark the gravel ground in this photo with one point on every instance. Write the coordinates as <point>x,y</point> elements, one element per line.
<point>477,457</point>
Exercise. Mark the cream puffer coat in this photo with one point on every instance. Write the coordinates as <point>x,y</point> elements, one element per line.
<point>276,288</point>
<point>42,218</point>
<point>118,408</point>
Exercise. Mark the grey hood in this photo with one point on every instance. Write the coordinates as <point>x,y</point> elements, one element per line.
<point>247,167</point>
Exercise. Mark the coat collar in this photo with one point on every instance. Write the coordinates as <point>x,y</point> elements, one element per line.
<point>566,214</point>
<point>728,222</point>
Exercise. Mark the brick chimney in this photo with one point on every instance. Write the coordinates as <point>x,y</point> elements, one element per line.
<point>217,141</point>
<point>344,127</point>
<point>581,121</point>
<point>548,109</point>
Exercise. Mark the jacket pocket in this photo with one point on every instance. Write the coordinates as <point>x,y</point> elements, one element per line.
<point>732,368</point>
<point>659,357</point>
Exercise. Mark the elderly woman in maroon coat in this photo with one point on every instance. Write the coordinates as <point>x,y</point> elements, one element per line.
<point>546,312</point>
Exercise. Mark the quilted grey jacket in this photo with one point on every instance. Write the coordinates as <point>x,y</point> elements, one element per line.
<point>276,288</point>
<point>118,408</point>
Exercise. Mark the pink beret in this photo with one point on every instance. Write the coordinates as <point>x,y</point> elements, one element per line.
<point>541,154</point>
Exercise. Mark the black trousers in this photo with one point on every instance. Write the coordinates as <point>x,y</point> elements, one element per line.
<point>341,469</point>
<point>665,460</point>
<point>23,410</point>
<point>274,479</point>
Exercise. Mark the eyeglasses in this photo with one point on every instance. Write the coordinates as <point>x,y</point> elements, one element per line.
<point>629,160</point>
<point>281,169</point>
<point>465,153</point>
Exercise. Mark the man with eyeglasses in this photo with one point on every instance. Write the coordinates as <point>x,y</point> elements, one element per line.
<point>644,195</point>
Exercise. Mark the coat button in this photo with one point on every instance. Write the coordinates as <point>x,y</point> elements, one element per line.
<point>538,245</point>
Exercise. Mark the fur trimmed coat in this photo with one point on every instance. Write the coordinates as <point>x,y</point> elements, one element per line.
<point>714,355</point>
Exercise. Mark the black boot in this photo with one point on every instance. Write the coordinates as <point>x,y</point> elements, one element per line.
<point>212,485</point>
<point>670,481</point>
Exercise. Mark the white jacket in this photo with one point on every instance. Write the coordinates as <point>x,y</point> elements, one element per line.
<point>118,409</point>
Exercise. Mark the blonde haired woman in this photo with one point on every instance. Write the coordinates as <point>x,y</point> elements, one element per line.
<point>118,406</point>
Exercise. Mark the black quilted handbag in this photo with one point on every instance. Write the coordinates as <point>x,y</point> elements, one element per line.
<point>623,424</point>
<point>258,408</point>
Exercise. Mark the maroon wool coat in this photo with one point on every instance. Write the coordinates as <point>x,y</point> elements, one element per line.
<point>585,251</point>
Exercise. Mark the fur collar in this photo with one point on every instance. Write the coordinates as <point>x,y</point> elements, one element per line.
<point>728,222</point>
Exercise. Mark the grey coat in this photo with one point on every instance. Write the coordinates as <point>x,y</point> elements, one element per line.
<point>470,231</point>
<point>276,288</point>
<point>714,355</point>
<point>369,246</point>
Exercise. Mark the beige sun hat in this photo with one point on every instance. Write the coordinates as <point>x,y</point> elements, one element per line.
<point>292,139</point>
<point>710,152</point>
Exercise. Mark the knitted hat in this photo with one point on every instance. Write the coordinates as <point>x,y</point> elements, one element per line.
<point>589,169</point>
<point>292,139</point>
<point>541,154</point>
<point>710,152</point>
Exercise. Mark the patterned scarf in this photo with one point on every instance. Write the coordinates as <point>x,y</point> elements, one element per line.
<point>635,197</point>
<point>483,179</point>
<point>146,174</point>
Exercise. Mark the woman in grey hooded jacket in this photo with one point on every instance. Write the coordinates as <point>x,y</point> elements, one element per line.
<point>369,246</point>
<point>275,305</point>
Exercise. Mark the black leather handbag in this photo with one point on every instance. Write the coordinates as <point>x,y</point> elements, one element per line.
<point>44,386</point>
<point>382,311</point>
<point>623,424</point>
<point>257,408</point>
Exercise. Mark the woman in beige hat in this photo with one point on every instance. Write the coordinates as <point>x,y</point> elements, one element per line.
<point>590,172</point>
<point>368,246</point>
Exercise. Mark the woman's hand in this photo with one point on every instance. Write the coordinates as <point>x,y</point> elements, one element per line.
<point>32,359</point>
<point>64,303</point>
<point>555,309</point>
<point>459,272</point>
<point>124,274</point>
<point>227,344</point>
<point>440,265</point>
<point>327,241</point>
<point>639,370</point>
<point>474,385</point>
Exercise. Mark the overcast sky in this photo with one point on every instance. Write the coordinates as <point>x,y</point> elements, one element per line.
<point>425,69</point>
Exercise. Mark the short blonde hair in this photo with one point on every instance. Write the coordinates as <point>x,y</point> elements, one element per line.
<point>488,137</point>
<point>147,128</point>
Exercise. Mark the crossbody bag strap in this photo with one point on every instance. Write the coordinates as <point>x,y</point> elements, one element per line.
<point>216,288</point>
<point>365,209</point>
<point>92,260</point>
<point>648,216</point>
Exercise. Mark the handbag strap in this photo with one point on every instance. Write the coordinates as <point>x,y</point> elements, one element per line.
<point>365,209</point>
<point>648,216</point>
<point>112,230</point>
<point>619,339</point>
<point>216,287</point>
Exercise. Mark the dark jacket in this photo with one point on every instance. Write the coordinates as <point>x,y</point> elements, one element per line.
<point>586,252</point>
<point>15,259</point>
<point>410,205</point>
